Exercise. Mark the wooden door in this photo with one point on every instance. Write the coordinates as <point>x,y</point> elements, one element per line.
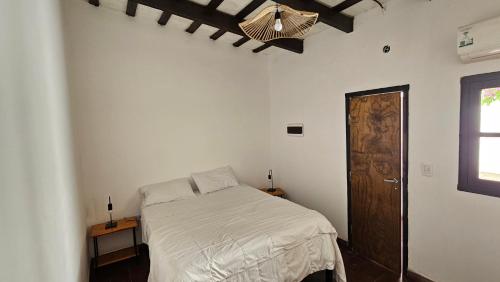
<point>375,177</point>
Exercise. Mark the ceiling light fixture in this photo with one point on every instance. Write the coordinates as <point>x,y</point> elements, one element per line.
<point>279,21</point>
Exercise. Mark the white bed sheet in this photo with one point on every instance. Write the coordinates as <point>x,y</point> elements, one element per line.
<point>238,234</point>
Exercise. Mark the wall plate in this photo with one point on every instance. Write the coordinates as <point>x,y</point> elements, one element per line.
<point>295,129</point>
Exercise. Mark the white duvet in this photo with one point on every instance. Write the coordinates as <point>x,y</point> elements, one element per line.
<point>238,234</point>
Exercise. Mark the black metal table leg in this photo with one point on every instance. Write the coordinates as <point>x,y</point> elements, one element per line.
<point>135,242</point>
<point>96,252</point>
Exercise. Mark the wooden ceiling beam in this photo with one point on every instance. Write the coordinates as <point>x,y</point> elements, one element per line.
<point>241,41</point>
<point>94,2</point>
<point>261,47</point>
<point>196,12</point>
<point>217,34</point>
<point>193,27</point>
<point>212,5</point>
<point>326,14</point>
<point>164,18</point>
<point>344,5</point>
<point>240,16</point>
<point>131,8</point>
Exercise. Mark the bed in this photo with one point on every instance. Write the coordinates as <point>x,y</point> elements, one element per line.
<point>238,234</point>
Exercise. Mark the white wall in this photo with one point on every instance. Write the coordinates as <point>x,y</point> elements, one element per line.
<point>42,233</point>
<point>153,103</point>
<point>453,236</point>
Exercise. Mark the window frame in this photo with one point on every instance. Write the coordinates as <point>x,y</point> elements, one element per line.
<point>470,134</point>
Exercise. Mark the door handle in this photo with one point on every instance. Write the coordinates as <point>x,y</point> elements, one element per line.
<point>394,180</point>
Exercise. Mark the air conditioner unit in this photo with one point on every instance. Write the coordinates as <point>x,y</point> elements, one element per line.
<point>479,41</point>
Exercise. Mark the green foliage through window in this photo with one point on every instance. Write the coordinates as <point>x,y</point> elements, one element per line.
<point>489,96</point>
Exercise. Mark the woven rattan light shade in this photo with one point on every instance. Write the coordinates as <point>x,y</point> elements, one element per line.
<point>295,24</point>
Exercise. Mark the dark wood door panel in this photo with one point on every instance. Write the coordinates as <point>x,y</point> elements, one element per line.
<point>375,156</point>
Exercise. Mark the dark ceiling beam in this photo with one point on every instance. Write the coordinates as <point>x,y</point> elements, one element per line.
<point>344,5</point>
<point>326,14</point>
<point>94,2</point>
<point>249,8</point>
<point>212,5</point>
<point>196,12</point>
<point>164,18</point>
<point>131,8</point>
<point>217,34</point>
<point>240,16</point>
<point>193,27</point>
<point>261,47</point>
<point>241,41</point>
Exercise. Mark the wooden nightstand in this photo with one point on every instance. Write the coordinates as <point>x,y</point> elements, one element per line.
<point>99,230</point>
<point>278,192</point>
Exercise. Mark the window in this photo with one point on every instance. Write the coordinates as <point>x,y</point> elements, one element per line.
<point>479,164</point>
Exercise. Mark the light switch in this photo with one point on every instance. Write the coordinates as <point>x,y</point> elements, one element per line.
<point>427,170</point>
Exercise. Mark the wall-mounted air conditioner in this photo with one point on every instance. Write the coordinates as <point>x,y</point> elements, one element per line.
<point>479,41</point>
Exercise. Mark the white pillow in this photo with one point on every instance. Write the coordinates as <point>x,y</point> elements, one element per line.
<point>213,180</point>
<point>168,191</point>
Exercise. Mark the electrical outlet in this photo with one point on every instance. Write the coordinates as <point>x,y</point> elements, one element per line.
<point>427,170</point>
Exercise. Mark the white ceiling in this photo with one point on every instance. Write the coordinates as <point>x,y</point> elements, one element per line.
<point>233,7</point>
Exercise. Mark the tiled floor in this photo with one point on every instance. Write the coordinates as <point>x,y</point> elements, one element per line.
<point>136,270</point>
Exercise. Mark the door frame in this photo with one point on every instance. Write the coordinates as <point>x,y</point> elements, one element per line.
<point>404,153</point>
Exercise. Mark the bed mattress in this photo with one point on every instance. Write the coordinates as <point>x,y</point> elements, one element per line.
<point>238,234</point>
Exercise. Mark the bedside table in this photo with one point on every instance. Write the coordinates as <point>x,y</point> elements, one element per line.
<point>278,192</point>
<point>99,230</point>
